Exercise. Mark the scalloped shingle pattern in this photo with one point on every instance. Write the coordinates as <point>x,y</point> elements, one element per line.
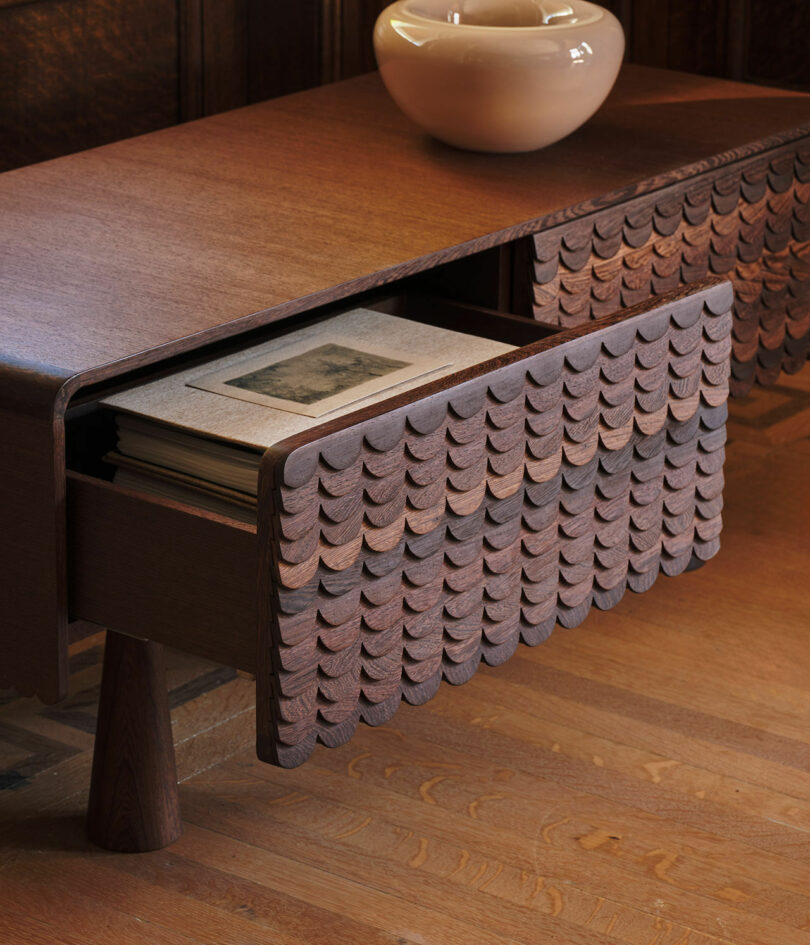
<point>750,224</point>
<point>411,547</point>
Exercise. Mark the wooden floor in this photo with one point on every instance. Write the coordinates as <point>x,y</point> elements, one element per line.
<point>642,779</point>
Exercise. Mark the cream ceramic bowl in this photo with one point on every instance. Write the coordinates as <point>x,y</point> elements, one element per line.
<point>498,75</point>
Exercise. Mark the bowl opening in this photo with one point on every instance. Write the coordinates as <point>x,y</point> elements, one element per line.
<point>500,13</point>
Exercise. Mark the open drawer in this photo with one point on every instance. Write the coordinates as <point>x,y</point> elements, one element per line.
<point>405,542</point>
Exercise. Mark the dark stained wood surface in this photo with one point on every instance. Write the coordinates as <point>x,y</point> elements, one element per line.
<point>642,779</point>
<point>747,40</point>
<point>150,245</point>
<point>33,617</point>
<point>284,47</point>
<point>133,805</point>
<point>771,51</point>
<point>79,73</point>
<point>197,593</point>
<point>749,223</point>
<point>418,538</point>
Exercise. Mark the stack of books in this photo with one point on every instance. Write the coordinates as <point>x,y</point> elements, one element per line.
<point>197,436</point>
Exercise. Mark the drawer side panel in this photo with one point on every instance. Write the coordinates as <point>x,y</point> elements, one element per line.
<point>155,570</point>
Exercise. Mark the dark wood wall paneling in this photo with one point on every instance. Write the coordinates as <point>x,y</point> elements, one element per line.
<point>355,53</point>
<point>242,51</point>
<point>750,40</point>
<point>77,73</point>
<point>777,38</point>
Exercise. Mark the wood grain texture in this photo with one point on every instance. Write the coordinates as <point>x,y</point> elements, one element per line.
<point>746,40</point>
<point>69,85</point>
<point>642,778</point>
<point>771,56</point>
<point>226,215</point>
<point>151,566</point>
<point>284,42</point>
<point>350,37</point>
<point>80,73</point>
<point>412,544</point>
<point>133,805</point>
<point>33,591</point>
<point>751,223</point>
<point>690,36</point>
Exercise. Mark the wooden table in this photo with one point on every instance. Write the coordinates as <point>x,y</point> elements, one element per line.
<point>122,260</point>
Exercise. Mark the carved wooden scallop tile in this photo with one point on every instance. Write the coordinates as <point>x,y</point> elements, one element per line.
<point>739,222</point>
<point>540,513</point>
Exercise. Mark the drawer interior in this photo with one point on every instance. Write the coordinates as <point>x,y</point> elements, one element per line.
<point>465,317</point>
<point>91,431</point>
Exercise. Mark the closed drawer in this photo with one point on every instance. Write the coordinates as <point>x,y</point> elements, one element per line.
<point>403,543</point>
<point>749,223</point>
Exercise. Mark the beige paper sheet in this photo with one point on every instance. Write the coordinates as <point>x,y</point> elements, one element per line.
<point>170,401</point>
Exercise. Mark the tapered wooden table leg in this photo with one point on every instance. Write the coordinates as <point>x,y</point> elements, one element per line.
<point>133,804</point>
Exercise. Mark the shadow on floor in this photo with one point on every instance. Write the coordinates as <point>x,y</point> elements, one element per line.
<point>44,832</point>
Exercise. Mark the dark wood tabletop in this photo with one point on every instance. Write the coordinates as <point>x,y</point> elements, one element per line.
<point>147,246</point>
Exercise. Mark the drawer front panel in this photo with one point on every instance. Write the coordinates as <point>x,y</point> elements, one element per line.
<point>750,224</point>
<point>410,546</point>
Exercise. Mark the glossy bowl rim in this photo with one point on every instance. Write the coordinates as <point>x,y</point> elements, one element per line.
<point>402,8</point>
